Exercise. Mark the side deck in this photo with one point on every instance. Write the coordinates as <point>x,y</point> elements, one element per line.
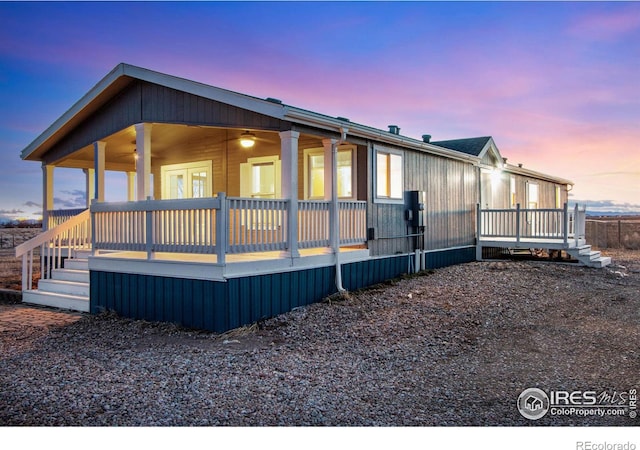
<point>554,229</point>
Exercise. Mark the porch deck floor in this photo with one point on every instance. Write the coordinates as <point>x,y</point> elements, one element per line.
<point>230,258</point>
<point>543,242</point>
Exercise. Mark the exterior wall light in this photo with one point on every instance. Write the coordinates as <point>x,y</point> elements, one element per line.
<point>247,140</point>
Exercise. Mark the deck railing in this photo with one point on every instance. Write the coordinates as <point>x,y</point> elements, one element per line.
<point>521,224</point>
<point>57,217</point>
<point>54,244</point>
<point>220,225</point>
<point>257,225</point>
<point>353,222</point>
<point>174,226</point>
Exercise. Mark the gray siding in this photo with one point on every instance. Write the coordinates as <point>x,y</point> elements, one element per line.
<point>452,193</point>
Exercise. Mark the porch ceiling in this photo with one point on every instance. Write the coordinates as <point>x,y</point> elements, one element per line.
<point>172,143</point>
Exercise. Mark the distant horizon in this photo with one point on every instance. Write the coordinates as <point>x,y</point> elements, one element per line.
<point>554,83</point>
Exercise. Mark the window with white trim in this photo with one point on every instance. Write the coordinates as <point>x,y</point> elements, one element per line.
<point>187,180</point>
<point>389,176</point>
<point>513,195</point>
<point>315,172</point>
<point>260,177</point>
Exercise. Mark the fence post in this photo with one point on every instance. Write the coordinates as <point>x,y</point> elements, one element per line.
<point>222,228</point>
<point>478,232</point>
<point>576,224</point>
<point>566,224</point>
<point>518,222</point>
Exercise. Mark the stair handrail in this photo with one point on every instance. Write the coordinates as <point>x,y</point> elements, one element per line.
<point>51,234</point>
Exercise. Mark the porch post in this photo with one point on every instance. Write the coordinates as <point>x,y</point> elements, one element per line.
<point>143,170</point>
<point>47,193</point>
<point>331,189</point>
<point>131,186</point>
<point>99,148</point>
<point>289,177</point>
<point>89,176</point>
<point>478,232</point>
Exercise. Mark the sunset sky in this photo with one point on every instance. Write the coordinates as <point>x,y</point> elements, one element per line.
<point>557,85</point>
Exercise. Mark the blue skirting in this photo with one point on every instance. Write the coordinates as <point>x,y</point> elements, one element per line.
<point>222,306</point>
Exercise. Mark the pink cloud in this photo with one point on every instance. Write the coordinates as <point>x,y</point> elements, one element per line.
<point>607,25</point>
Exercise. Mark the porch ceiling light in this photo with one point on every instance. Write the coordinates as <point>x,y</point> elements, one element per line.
<point>247,140</point>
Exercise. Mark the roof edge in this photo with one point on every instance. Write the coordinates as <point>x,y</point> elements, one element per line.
<point>123,70</point>
<point>535,174</point>
<point>117,72</point>
<point>321,121</point>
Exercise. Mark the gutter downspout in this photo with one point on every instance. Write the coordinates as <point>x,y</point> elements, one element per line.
<point>335,225</point>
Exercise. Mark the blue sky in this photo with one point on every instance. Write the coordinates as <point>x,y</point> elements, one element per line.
<point>555,84</point>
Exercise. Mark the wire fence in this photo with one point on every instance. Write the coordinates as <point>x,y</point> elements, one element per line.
<point>12,237</point>
<point>613,233</point>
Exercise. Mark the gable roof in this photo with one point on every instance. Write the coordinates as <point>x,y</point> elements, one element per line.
<point>470,146</point>
<point>124,74</point>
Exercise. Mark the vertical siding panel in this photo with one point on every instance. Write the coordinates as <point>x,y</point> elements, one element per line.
<point>234,302</point>
<point>285,289</point>
<point>257,296</point>
<point>195,312</point>
<point>188,300</point>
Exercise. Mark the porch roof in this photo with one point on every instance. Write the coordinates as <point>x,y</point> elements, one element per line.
<point>124,74</point>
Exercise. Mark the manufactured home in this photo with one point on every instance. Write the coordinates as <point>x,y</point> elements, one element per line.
<point>239,208</point>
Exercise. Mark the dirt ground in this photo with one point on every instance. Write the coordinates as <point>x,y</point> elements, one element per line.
<point>452,347</point>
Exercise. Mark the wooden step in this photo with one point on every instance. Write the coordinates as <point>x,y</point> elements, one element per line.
<point>601,262</point>
<point>81,276</point>
<point>77,263</point>
<point>62,301</point>
<point>64,287</point>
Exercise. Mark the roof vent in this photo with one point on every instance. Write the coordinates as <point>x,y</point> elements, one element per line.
<point>344,119</point>
<point>274,100</point>
<point>394,129</point>
<point>520,165</point>
<point>426,138</point>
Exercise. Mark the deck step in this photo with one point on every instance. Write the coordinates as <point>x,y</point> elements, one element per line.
<point>82,254</point>
<point>588,257</point>
<point>601,262</point>
<point>55,300</point>
<point>64,287</point>
<point>77,263</point>
<point>78,275</point>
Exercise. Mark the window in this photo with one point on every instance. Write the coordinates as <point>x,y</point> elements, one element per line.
<point>513,196</point>
<point>558,198</point>
<point>260,177</point>
<point>188,180</point>
<point>389,175</point>
<point>533,198</point>
<point>315,171</point>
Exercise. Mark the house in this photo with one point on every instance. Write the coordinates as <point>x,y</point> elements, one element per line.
<point>533,403</point>
<point>240,208</point>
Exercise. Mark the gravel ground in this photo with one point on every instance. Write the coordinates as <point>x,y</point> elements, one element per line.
<point>452,347</point>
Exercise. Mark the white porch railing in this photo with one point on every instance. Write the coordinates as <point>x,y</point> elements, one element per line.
<point>353,222</point>
<point>174,226</point>
<point>521,224</point>
<point>54,244</point>
<point>314,228</point>
<point>57,217</point>
<point>243,225</point>
<point>257,225</point>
